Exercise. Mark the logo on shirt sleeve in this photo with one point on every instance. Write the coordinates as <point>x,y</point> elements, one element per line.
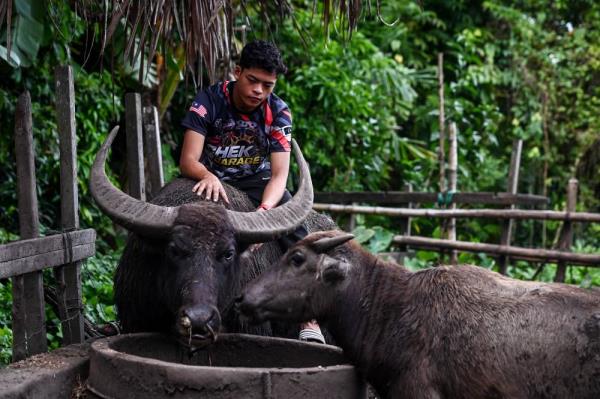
<point>199,109</point>
<point>283,135</point>
<point>287,132</point>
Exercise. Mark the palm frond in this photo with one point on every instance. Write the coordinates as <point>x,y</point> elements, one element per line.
<point>206,27</point>
<point>6,18</point>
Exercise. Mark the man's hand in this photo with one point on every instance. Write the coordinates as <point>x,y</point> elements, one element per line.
<point>212,188</point>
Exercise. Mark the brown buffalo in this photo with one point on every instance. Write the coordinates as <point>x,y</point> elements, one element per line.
<point>445,332</point>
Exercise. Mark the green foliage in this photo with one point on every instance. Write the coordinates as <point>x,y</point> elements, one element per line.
<point>365,113</point>
<point>376,239</point>
<point>347,102</point>
<point>28,33</point>
<point>97,287</point>
<point>6,336</point>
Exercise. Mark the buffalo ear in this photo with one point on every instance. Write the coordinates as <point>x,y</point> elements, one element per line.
<point>333,270</point>
<point>245,251</point>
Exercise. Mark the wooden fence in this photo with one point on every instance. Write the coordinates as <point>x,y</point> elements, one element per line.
<point>561,255</point>
<point>24,260</point>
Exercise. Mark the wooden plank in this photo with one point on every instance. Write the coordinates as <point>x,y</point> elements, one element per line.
<point>566,237</point>
<point>512,187</point>
<point>68,279</point>
<point>152,152</point>
<point>400,197</point>
<point>25,248</point>
<point>135,154</point>
<point>46,260</point>
<point>545,255</point>
<point>29,317</point>
<point>33,246</point>
<point>463,213</point>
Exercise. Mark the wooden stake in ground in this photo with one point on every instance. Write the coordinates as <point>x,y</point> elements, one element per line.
<point>566,237</point>
<point>512,186</point>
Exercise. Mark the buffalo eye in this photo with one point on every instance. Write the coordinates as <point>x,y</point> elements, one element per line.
<point>227,255</point>
<point>297,259</point>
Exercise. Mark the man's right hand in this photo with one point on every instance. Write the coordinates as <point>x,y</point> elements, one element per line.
<point>212,188</point>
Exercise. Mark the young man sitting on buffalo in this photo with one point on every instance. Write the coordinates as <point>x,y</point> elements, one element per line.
<point>239,132</point>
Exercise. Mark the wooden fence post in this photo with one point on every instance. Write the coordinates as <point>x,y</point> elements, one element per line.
<point>512,187</point>
<point>135,161</point>
<point>566,236</point>
<point>68,276</point>
<point>351,224</point>
<point>405,228</point>
<point>152,151</point>
<point>29,318</point>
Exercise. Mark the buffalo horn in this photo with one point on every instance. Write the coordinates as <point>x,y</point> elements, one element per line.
<point>325,244</point>
<point>269,225</point>
<point>133,214</point>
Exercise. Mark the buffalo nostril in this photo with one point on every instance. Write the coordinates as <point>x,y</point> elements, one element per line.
<point>185,322</point>
<point>238,301</point>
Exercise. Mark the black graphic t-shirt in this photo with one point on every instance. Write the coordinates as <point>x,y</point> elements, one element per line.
<point>236,144</point>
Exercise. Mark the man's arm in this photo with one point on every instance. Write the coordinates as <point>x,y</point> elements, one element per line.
<point>280,165</point>
<point>190,166</point>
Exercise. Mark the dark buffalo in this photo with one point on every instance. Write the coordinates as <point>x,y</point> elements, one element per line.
<point>185,260</point>
<point>447,332</point>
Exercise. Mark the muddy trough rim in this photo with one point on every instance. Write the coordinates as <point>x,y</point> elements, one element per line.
<point>113,372</point>
<point>102,348</point>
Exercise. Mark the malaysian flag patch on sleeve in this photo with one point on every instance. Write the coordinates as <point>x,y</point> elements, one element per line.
<point>199,109</point>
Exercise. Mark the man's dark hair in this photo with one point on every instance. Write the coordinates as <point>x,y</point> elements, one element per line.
<point>264,55</point>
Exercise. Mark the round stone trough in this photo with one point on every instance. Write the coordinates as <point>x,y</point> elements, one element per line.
<point>236,366</point>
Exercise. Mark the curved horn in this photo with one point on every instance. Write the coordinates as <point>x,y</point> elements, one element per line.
<point>323,245</point>
<point>133,214</point>
<point>277,222</point>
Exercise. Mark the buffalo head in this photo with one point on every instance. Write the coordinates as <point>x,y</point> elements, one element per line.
<point>192,252</point>
<point>303,285</point>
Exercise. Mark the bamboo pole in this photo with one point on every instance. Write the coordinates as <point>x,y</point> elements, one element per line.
<point>520,214</point>
<point>398,198</point>
<point>551,256</point>
<point>452,179</point>
<point>442,121</point>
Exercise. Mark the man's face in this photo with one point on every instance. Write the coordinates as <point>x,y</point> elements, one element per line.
<point>253,86</point>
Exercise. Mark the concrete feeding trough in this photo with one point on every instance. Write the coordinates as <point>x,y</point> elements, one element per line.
<point>236,366</point>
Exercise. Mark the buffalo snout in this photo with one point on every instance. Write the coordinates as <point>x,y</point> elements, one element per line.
<point>248,308</point>
<point>200,322</point>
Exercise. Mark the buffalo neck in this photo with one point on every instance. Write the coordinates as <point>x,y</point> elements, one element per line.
<point>370,314</point>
